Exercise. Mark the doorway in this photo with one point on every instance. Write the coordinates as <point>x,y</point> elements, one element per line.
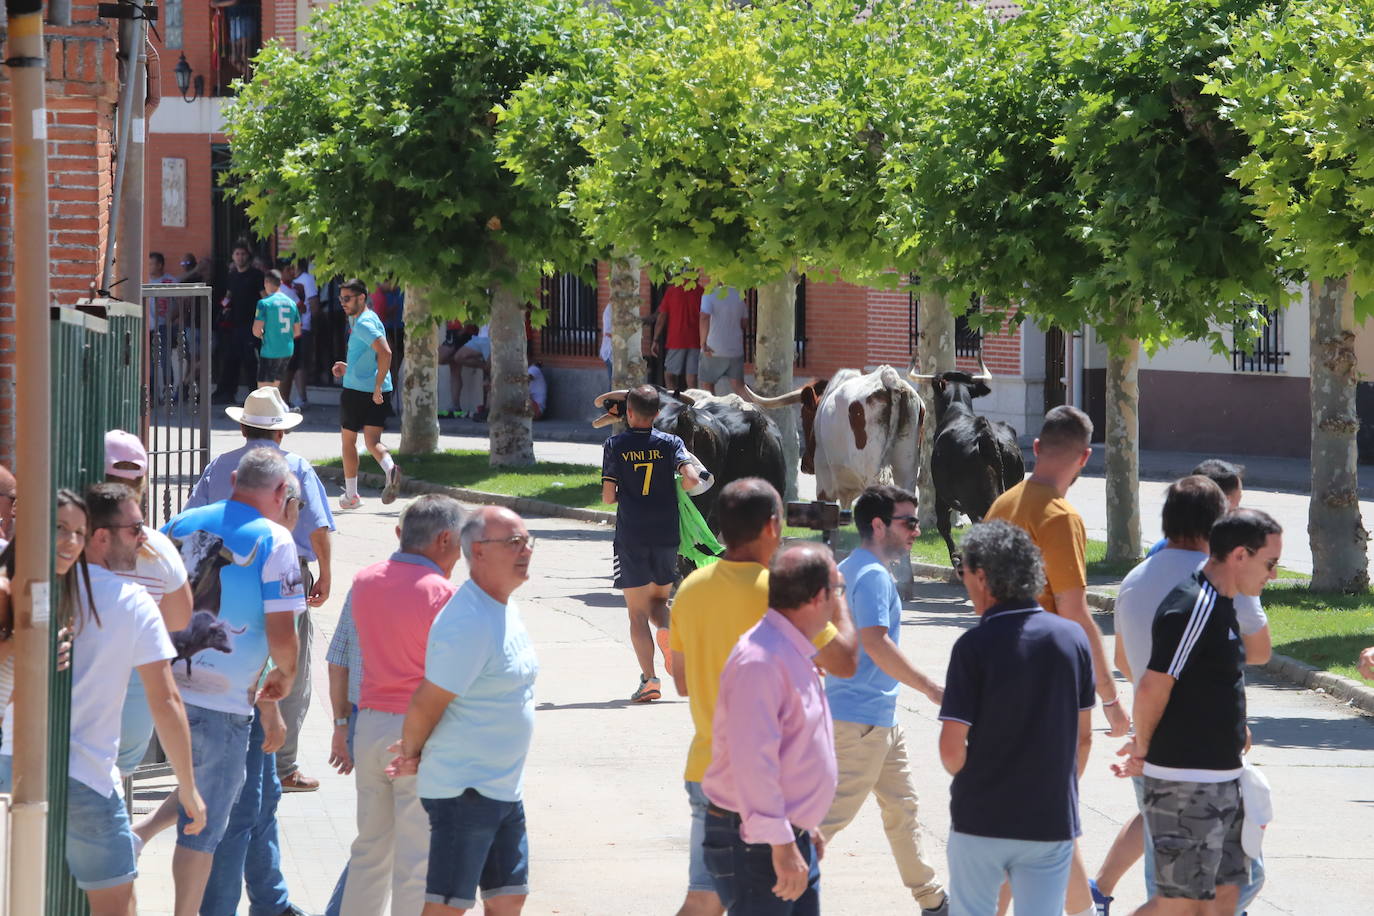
<point>1056,369</point>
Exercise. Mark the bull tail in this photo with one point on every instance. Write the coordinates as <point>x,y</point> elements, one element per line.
<point>899,405</point>
<point>989,452</point>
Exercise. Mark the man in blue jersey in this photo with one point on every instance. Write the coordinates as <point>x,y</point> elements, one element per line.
<point>246,590</point>
<point>638,473</point>
<point>364,402</point>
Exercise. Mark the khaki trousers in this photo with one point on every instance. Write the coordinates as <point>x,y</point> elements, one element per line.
<point>873,760</point>
<point>391,854</point>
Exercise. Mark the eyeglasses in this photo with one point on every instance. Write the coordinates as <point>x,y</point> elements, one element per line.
<point>518,541</point>
<point>1268,564</point>
<point>838,590</point>
<point>908,520</point>
<point>348,297</point>
<point>135,527</point>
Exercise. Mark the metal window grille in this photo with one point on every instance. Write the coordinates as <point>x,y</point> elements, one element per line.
<point>1262,354</point>
<point>751,298</point>
<point>913,320</point>
<point>574,325</point>
<point>968,341</point>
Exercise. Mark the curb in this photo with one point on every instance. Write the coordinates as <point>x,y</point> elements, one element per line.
<point>1283,667</point>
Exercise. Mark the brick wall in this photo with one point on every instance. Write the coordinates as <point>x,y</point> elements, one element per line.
<point>197,235</point>
<point>82,80</point>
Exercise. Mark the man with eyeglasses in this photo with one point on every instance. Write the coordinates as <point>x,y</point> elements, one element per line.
<point>472,718</point>
<point>364,400</point>
<point>1190,729</point>
<point>869,744</point>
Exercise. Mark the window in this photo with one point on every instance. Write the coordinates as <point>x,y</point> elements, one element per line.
<point>574,325</point>
<point>171,24</point>
<point>968,341</point>
<point>751,297</point>
<point>1262,354</point>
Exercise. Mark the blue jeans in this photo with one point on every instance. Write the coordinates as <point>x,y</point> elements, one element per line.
<point>1248,892</point>
<point>249,852</point>
<point>698,875</point>
<point>1039,873</point>
<point>743,872</point>
<point>219,753</point>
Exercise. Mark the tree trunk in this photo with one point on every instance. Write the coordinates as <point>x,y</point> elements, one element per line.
<point>420,381</point>
<point>935,353</point>
<point>1340,560</point>
<point>1123,451</point>
<point>627,326</point>
<point>775,353</point>
<point>511,438</point>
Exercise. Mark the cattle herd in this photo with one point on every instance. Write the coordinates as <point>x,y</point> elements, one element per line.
<point>857,429</point>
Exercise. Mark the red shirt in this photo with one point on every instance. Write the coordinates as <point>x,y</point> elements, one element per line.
<point>379,303</point>
<point>683,308</point>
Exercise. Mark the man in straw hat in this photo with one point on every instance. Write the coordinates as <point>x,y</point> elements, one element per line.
<point>264,419</point>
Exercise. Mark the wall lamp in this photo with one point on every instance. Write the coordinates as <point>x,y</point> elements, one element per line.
<point>183,72</point>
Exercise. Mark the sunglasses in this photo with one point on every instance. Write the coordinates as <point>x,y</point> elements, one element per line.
<point>908,520</point>
<point>135,527</point>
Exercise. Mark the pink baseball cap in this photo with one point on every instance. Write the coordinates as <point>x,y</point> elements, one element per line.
<point>123,448</point>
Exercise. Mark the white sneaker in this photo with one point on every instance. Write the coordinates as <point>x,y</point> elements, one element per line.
<point>347,502</point>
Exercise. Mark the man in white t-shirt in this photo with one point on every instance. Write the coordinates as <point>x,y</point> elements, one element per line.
<point>539,392</point>
<point>605,351</point>
<point>724,318</point>
<point>118,632</point>
<point>1191,506</point>
<point>295,286</point>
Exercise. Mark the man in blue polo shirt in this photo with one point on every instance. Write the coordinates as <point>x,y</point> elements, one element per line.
<point>1017,720</point>
<point>638,473</point>
<point>870,747</point>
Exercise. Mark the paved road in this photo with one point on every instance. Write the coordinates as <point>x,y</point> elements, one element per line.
<point>607,815</point>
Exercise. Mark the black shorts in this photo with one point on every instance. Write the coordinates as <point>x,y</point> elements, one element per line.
<point>643,564</point>
<point>272,369</point>
<point>298,356</point>
<point>356,410</point>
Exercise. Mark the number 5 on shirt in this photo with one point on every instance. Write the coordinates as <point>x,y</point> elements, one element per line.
<point>648,475</point>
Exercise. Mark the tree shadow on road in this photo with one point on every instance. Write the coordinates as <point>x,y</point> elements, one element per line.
<point>1343,734</point>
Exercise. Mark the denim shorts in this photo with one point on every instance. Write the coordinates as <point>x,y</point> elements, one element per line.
<point>100,843</point>
<point>219,756</point>
<point>698,875</point>
<point>475,841</point>
<point>743,872</point>
<point>135,727</point>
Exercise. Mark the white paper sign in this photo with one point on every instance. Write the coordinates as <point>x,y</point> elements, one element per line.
<point>138,130</point>
<point>39,592</point>
<point>40,124</point>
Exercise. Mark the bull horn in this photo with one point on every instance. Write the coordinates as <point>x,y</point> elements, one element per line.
<point>984,374</point>
<point>604,420</point>
<point>782,400</point>
<point>601,399</point>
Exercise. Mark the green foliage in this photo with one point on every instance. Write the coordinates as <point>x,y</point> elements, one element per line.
<point>1067,160</point>
<point>376,147</point>
<point>1296,81</point>
<point>741,139</point>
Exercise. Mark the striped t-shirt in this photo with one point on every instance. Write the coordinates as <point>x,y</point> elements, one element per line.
<point>159,568</point>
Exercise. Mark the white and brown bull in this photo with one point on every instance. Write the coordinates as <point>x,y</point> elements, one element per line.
<point>858,429</point>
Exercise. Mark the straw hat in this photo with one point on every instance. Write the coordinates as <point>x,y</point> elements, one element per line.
<point>264,409</point>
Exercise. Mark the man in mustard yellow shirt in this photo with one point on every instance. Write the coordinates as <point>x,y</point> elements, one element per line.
<point>714,607</point>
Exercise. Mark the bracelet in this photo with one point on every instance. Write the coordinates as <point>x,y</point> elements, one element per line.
<point>1112,702</point>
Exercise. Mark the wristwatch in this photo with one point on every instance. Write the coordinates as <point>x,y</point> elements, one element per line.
<point>341,723</point>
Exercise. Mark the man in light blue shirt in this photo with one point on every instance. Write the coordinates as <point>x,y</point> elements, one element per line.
<point>870,746</point>
<point>364,402</point>
<point>264,419</point>
<point>473,717</point>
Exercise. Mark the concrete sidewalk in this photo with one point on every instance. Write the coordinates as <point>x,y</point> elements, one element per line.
<point>607,813</point>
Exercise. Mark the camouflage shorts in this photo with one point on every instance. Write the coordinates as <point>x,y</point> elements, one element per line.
<point>1195,828</point>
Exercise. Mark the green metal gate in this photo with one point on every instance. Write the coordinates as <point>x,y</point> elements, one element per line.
<point>97,360</point>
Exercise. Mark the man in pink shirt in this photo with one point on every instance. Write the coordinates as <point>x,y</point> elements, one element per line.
<point>393,604</point>
<point>772,773</point>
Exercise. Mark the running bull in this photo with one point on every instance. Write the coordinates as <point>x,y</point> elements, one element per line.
<point>974,460</point>
<point>728,436</point>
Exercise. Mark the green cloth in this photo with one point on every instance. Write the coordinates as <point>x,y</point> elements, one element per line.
<point>279,317</point>
<point>696,541</point>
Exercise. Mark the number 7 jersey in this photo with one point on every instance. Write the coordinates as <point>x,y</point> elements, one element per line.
<point>643,463</point>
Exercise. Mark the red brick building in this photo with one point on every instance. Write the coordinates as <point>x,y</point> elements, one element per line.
<point>82,82</point>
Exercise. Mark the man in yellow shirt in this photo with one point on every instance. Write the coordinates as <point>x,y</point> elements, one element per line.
<point>714,607</point>
<point>1037,506</point>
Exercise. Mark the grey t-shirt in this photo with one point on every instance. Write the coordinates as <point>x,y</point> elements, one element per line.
<point>1140,595</point>
<point>726,307</point>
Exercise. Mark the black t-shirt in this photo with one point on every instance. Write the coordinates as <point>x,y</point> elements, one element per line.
<point>643,465</point>
<point>1019,680</point>
<point>245,289</point>
<point>1196,640</point>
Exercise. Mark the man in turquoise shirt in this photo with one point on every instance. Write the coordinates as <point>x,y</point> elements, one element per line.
<point>277,324</point>
<point>473,718</point>
<point>363,402</point>
<point>870,747</point>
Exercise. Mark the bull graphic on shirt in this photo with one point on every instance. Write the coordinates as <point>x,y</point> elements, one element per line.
<point>205,555</point>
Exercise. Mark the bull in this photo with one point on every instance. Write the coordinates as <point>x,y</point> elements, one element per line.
<point>858,429</point>
<point>205,631</point>
<point>730,437</point>
<point>974,460</point>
